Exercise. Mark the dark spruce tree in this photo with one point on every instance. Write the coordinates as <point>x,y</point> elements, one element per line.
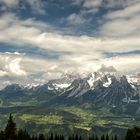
<point>10,130</point>
<point>41,137</point>
<point>103,137</point>
<point>2,136</point>
<point>115,138</point>
<point>23,135</point>
<point>133,134</point>
<point>96,137</point>
<point>107,137</point>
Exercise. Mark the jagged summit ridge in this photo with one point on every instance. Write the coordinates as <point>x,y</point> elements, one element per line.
<point>102,86</point>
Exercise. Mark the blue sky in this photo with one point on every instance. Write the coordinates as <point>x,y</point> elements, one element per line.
<point>42,39</point>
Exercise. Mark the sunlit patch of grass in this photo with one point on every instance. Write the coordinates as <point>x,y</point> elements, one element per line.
<point>42,119</point>
<point>85,115</point>
<point>102,122</point>
<point>83,127</point>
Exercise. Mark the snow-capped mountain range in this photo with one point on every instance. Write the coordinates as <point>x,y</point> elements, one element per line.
<point>101,86</point>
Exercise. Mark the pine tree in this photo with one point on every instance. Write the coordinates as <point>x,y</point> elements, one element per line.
<point>20,135</point>
<point>41,137</point>
<point>62,137</point>
<point>76,137</point>
<point>69,138</point>
<point>115,137</point>
<point>107,137</point>
<point>102,137</point>
<point>10,130</point>
<point>51,137</point>
<point>80,138</point>
<point>96,138</point>
<point>23,135</point>
<point>130,135</point>
<point>2,136</point>
<point>112,138</point>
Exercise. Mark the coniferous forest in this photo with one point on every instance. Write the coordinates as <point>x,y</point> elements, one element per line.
<point>12,133</point>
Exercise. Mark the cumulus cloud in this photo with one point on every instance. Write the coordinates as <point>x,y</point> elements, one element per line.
<point>10,3</point>
<point>10,65</point>
<point>14,53</point>
<point>92,3</point>
<point>60,43</point>
<point>15,68</point>
<point>120,3</point>
<point>75,19</point>
<point>2,73</point>
<point>122,23</point>
<point>34,69</point>
<point>37,6</point>
<point>127,12</point>
<point>33,34</point>
<point>88,6</point>
<point>125,64</point>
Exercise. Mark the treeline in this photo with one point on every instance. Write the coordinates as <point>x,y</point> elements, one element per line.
<point>11,133</point>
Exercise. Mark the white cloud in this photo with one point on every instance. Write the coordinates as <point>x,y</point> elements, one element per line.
<point>120,3</point>
<point>89,4</point>
<point>2,73</point>
<point>15,31</point>
<point>10,65</point>
<point>10,3</point>
<point>14,53</point>
<point>75,19</point>
<point>122,23</point>
<point>124,64</point>
<point>92,3</point>
<point>14,67</point>
<point>37,6</point>
<point>127,12</point>
<point>22,67</point>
